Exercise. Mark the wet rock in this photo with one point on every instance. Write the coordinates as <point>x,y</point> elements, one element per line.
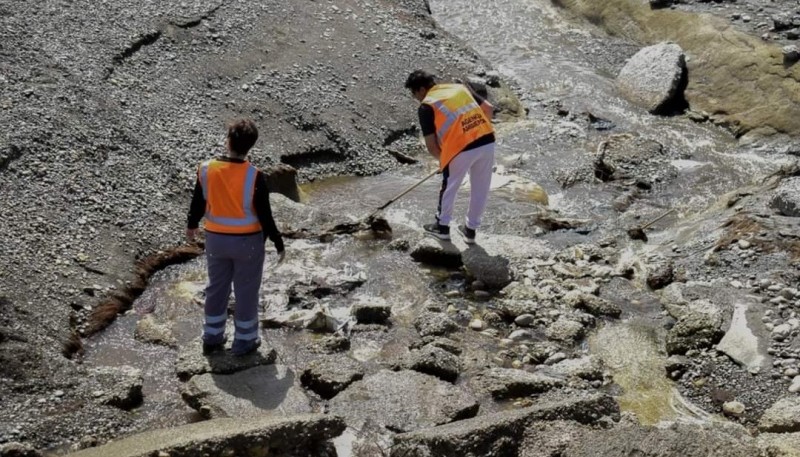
<point>192,362</point>
<point>781,332</point>
<point>509,382</point>
<point>501,433</point>
<point>447,344</point>
<point>679,439</point>
<point>676,365</point>
<point>435,361</point>
<point>493,271</point>
<point>403,401</point>
<point>514,308</point>
<point>791,54</point>
<point>121,386</point>
<point>661,276</point>
<point>521,335</point>
<point>437,253</point>
<point>694,330</point>
<point>331,344</point>
<point>565,330</point>
<point>592,304</point>
<point>434,324</point>
<point>477,325</point>
<point>149,331</point>
<point>317,319</point>
<point>652,77</point>
<point>586,367</point>
<point>18,450</point>
<point>253,392</point>
<point>294,436</point>
<point>282,179</point>
<point>331,375</point>
<point>553,359</point>
<point>781,417</point>
<point>786,198</point>
<point>371,313</point>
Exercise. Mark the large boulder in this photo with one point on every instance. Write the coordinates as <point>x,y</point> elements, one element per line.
<point>654,77</point>
<point>787,197</point>
<point>282,179</point>
<point>295,436</point>
<point>403,401</point>
<point>782,417</point>
<point>269,389</point>
<point>694,330</point>
<point>493,271</point>
<point>331,375</point>
<point>501,433</point>
<point>437,253</point>
<point>509,382</point>
<point>191,360</point>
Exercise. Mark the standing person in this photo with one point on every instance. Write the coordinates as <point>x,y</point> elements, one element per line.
<point>456,124</point>
<point>232,195</point>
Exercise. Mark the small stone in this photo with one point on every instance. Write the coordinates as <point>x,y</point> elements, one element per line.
<point>744,244</point>
<point>555,358</point>
<point>521,335</point>
<point>477,325</point>
<point>525,320</point>
<point>790,372</point>
<point>482,295</point>
<point>58,393</point>
<point>733,408</point>
<point>791,53</point>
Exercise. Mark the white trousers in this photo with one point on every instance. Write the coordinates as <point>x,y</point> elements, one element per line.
<point>478,163</point>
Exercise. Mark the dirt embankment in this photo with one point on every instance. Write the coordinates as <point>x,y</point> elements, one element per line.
<point>108,108</point>
<point>739,79</point>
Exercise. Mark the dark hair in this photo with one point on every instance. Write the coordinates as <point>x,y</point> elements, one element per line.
<point>242,135</point>
<point>420,79</point>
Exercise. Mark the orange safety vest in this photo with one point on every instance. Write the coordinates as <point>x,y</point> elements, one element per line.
<point>228,188</point>
<point>458,118</point>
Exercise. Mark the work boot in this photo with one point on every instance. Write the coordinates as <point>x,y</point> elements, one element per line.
<point>467,233</point>
<point>242,347</point>
<point>210,347</point>
<point>439,231</point>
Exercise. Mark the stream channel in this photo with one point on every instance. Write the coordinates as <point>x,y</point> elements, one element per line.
<point>564,68</point>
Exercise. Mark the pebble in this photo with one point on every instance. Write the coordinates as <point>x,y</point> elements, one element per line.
<point>521,335</point>
<point>58,393</point>
<point>791,372</point>
<point>516,364</point>
<point>555,358</point>
<point>733,408</point>
<point>482,295</point>
<point>744,244</point>
<point>795,387</point>
<point>477,325</point>
<point>525,320</point>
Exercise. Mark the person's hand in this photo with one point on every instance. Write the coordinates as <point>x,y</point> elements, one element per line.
<point>191,234</point>
<point>281,257</point>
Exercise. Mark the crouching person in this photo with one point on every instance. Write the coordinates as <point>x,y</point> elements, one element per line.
<point>232,195</point>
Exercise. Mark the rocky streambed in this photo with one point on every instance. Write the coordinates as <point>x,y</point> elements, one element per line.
<point>557,335</point>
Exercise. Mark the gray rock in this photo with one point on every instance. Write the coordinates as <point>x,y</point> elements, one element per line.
<point>403,401</point>
<point>661,276</point>
<point>509,382</point>
<point>500,434</point>
<point>791,53</point>
<point>493,271</point>
<point>371,313</point>
<point>253,392</point>
<point>565,330</point>
<point>149,331</point>
<point>587,367</point>
<point>652,77</point>
<point>733,408</point>
<point>525,320</point>
<point>331,344</point>
<point>781,417</point>
<point>18,450</point>
<point>192,362</point>
<point>437,253</point>
<point>592,304</point>
<point>294,436</point>
<point>282,179</point>
<point>331,375</point>
<point>121,386</point>
<point>780,444</point>
<point>786,198</point>
<point>679,439</point>
<point>437,362</point>
<point>434,324</point>
<point>694,330</point>
<point>521,335</point>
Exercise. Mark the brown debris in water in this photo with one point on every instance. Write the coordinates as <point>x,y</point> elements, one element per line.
<point>121,300</point>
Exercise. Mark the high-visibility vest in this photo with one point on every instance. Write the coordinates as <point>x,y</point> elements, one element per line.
<point>228,188</point>
<point>458,118</point>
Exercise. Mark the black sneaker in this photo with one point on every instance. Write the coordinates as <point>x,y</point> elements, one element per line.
<point>241,348</point>
<point>467,233</point>
<point>439,231</point>
<point>210,348</point>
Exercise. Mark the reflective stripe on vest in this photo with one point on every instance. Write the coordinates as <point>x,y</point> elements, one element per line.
<point>240,217</point>
<point>458,117</point>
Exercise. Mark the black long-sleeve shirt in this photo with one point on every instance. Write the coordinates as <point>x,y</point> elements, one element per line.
<point>260,201</point>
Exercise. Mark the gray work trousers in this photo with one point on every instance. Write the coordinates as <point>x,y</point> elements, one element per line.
<point>239,260</point>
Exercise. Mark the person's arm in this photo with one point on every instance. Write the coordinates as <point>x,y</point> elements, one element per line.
<point>264,211</point>
<point>197,210</point>
<point>486,107</point>
<point>428,126</point>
